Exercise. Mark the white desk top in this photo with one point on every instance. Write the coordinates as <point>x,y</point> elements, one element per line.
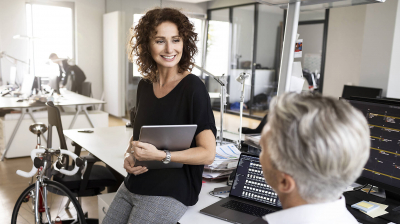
<point>109,145</point>
<point>68,98</point>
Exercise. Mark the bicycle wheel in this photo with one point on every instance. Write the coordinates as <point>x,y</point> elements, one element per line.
<point>57,198</point>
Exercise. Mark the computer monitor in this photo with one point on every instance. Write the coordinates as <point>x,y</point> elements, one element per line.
<point>360,91</point>
<point>383,166</point>
<point>27,84</point>
<point>54,83</point>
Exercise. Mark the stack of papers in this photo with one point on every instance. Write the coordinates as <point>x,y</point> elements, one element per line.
<point>225,162</point>
<point>371,208</point>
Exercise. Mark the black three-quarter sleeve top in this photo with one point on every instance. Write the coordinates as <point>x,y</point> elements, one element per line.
<point>187,103</point>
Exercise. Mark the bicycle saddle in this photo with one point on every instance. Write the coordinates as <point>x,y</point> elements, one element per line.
<point>38,128</point>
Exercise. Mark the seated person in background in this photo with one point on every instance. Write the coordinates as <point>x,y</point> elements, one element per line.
<point>77,74</point>
<point>313,147</point>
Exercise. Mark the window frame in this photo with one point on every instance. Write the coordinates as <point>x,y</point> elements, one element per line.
<point>70,5</point>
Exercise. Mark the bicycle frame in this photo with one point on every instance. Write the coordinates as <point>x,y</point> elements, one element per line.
<point>41,195</point>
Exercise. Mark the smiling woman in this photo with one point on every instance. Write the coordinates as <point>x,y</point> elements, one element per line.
<point>164,44</point>
<point>139,43</point>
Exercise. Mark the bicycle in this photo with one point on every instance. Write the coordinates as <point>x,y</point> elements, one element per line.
<point>35,204</point>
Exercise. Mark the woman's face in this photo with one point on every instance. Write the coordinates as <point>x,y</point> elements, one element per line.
<point>166,46</point>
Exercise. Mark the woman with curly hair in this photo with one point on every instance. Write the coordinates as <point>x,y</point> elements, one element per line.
<point>164,44</point>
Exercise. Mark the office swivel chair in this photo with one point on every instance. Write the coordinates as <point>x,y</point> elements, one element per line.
<point>259,128</point>
<point>87,89</point>
<point>95,177</point>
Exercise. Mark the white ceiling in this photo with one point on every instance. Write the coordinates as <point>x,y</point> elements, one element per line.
<point>190,1</point>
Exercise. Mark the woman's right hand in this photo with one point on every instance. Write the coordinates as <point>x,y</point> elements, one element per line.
<point>129,165</point>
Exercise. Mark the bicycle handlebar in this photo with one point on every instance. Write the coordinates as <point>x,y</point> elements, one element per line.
<point>63,171</point>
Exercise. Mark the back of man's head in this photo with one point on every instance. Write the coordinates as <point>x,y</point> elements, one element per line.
<point>53,56</point>
<point>323,143</point>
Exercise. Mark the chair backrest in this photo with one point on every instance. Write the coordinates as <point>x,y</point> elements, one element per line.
<point>87,89</point>
<point>54,119</point>
<point>70,82</point>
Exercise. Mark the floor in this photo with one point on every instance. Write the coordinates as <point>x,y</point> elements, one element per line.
<point>11,185</point>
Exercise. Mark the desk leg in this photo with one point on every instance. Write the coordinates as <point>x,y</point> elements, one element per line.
<point>34,120</point>
<point>87,116</point>
<point>23,112</point>
<point>78,109</point>
<point>118,176</point>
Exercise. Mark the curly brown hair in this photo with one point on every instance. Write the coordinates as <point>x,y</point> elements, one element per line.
<point>140,35</point>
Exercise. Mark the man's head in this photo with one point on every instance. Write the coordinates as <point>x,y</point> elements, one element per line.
<point>53,56</point>
<point>313,147</point>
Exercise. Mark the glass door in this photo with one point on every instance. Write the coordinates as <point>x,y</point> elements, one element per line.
<point>218,48</point>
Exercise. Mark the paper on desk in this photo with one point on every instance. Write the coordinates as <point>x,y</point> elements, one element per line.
<point>207,174</point>
<point>228,151</point>
<point>377,212</point>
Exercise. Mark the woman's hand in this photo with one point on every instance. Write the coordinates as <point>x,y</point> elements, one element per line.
<point>129,165</point>
<point>146,152</point>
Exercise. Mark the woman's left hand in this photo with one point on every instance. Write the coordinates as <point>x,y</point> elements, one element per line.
<point>146,152</point>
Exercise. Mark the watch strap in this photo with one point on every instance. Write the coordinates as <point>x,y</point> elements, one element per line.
<point>167,158</point>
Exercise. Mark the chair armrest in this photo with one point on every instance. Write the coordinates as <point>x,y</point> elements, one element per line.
<point>91,159</point>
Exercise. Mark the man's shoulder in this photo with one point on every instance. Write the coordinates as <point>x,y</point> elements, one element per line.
<point>327,213</point>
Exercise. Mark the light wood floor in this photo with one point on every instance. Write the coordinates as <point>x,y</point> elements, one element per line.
<point>12,185</point>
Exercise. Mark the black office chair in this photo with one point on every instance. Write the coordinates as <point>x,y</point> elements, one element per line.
<point>258,130</point>
<point>95,177</point>
<point>87,89</point>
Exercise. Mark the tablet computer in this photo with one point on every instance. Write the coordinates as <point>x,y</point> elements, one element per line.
<point>166,137</point>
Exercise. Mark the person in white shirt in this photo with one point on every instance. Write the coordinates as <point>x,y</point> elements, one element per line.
<point>313,147</point>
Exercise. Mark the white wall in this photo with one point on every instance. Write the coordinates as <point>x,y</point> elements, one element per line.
<point>393,89</point>
<point>363,47</point>
<point>224,3</point>
<point>243,30</point>
<point>312,35</point>
<point>89,41</point>
<point>344,48</point>
<point>13,22</point>
<point>377,44</point>
<point>268,23</point>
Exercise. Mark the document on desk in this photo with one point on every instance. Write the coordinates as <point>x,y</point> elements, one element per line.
<point>226,158</point>
<point>377,212</point>
<point>228,151</point>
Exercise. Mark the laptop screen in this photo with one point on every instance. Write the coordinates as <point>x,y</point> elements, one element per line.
<point>250,184</point>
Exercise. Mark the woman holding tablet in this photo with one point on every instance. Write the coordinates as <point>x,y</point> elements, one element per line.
<point>163,45</point>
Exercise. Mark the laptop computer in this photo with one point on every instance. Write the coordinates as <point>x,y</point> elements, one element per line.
<point>250,197</point>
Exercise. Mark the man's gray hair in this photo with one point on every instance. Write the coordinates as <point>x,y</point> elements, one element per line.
<point>322,142</point>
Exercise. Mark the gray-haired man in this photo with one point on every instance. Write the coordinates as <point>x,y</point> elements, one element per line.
<point>312,148</point>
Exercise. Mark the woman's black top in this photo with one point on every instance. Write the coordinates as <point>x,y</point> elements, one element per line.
<point>187,103</point>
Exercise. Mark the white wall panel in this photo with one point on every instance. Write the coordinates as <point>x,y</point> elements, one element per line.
<point>113,61</point>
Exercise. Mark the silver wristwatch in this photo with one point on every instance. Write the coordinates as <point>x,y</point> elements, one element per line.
<point>167,159</point>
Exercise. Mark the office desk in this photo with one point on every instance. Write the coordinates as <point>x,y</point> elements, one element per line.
<point>109,145</point>
<point>67,98</point>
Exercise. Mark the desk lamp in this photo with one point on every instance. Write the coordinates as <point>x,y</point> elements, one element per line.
<point>242,79</point>
<point>223,82</point>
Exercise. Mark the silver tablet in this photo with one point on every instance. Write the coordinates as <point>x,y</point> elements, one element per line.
<point>170,137</point>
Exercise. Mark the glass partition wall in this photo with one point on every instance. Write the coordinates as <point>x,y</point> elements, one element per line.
<point>249,38</point>
<point>245,38</point>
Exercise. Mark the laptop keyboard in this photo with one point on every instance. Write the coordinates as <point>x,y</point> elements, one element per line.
<point>246,208</point>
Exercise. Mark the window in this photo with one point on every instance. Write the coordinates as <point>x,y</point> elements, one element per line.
<point>50,30</point>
